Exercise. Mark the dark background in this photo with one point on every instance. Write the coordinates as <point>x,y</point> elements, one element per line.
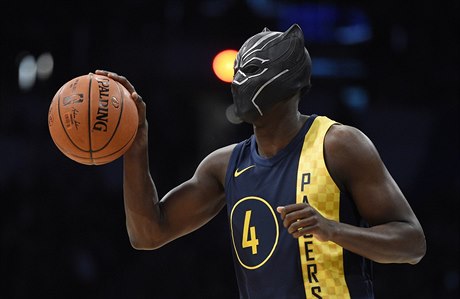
<point>389,68</point>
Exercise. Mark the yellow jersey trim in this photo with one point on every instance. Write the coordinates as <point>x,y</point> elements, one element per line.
<point>322,262</point>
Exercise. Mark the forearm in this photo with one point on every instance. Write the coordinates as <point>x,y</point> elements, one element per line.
<point>393,242</point>
<point>140,195</point>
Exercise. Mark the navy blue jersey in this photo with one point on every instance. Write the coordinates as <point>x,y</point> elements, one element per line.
<point>269,262</point>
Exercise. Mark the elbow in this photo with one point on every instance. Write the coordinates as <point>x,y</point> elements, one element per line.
<point>410,247</point>
<point>412,244</point>
<point>419,250</point>
<point>416,258</point>
<point>145,244</point>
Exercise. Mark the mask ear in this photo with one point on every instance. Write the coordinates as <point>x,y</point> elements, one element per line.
<point>266,30</point>
<point>294,30</point>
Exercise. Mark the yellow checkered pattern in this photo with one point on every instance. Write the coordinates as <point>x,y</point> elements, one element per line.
<point>323,273</point>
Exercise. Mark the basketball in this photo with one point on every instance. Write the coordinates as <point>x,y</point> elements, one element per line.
<point>92,119</point>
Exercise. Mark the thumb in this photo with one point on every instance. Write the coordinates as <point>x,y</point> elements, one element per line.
<point>282,211</point>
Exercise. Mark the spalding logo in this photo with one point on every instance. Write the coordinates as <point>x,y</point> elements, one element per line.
<point>102,117</point>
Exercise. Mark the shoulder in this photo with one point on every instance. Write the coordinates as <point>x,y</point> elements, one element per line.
<point>221,155</point>
<point>347,138</point>
<point>215,164</point>
<point>349,153</point>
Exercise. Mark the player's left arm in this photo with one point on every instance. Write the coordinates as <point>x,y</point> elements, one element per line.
<point>395,234</point>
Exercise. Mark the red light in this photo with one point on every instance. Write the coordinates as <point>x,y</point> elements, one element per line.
<point>223,65</point>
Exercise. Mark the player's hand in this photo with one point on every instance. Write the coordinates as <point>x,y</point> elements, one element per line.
<point>140,104</point>
<point>302,219</point>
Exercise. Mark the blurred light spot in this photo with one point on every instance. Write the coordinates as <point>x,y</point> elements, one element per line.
<point>353,34</point>
<point>326,22</point>
<point>27,72</point>
<point>355,98</point>
<point>316,20</point>
<point>263,8</point>
<point>356,27</point>
<point>223,65</point>
<point>337,67</point>
<point>231,116</point>
<point>84,266</point>
<point>45,64</point>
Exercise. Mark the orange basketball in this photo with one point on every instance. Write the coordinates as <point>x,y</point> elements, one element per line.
<point>92,119</point>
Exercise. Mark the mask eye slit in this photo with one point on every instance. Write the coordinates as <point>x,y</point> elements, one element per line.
<point>250,69</point>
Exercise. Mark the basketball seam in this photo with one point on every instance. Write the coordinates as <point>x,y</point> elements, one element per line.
<point>62,123</point>
<point>89,118</point>
<point>92,157</point>
<point>122,149</point>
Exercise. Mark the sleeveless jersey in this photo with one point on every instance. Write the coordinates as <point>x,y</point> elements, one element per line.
<point>269,262</point>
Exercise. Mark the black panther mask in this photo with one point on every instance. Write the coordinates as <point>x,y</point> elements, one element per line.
<point>270,67</point>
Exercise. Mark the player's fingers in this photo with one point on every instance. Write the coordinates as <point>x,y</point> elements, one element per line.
<point>288,209</point>
<point>282,212</point>
<point>301,225</point>
<point>286,212</point>
<point>102,72</point>
<point>141,107</point>
<point>107,73</point>
<point>296,216</point>
<point>295,207</point>
<point>302,232</point>
<point>121,79</point>
<point>137,98</point>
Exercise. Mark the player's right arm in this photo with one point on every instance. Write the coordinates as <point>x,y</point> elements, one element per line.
<point>152,222</point>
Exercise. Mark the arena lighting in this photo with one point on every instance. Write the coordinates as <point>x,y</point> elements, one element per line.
<point>45,64</point>
<point>223,65</point>
<point>27,72</point>
<point>30,69</point>
<point>355,98</point>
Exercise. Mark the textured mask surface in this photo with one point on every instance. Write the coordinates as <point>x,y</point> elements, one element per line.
<point>270,67</point>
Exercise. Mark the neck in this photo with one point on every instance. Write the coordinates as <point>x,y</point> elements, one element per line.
<point>277,128</point>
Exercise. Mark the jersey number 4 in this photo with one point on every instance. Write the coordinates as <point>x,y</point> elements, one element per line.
<point>249,234</point>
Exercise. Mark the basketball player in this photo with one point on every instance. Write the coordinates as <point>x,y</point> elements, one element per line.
<point>310,202</point>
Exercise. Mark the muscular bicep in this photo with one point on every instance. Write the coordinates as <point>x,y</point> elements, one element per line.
<point>196,201</point>
<point>191,204</point>
<point>357,167</point>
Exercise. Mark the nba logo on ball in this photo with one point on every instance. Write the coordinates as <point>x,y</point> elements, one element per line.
<point>92,119</point>
<point>73,98</point>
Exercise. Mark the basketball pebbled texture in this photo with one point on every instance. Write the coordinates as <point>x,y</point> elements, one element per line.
<point>92,119</point>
